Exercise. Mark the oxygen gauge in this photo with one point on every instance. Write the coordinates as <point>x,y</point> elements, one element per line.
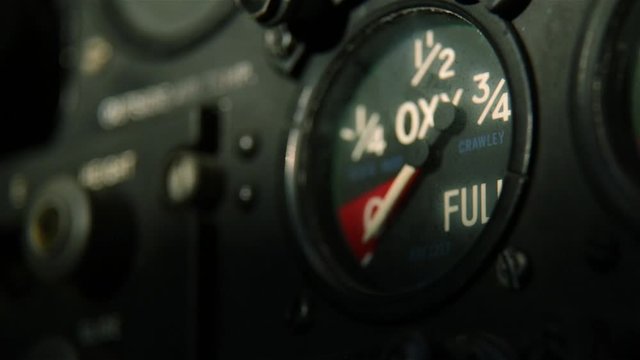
<point>406,164</point>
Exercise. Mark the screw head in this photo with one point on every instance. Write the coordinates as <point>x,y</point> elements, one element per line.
<point>247,145</point>
<point>279,41</point>
<point>182,178</point>
<point>513,269</point>
<point>194,179</point>
<point>97,53</point>
<point>246,196</point>
<point>299,314</point>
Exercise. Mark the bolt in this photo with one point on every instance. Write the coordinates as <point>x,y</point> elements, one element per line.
<point>279,41</point>
<point>182,179</point>
<point>247,144</point>
<point>246,196</point>
<point>193,179</point>
<point>513,269</point>
<point>298,314</point>
<point>96,55</point>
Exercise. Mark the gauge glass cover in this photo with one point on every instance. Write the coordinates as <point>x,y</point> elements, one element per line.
<point>410,144</point>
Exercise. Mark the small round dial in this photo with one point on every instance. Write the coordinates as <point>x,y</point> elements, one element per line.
<point>170,25</point>
<point>606,108</point>
<point>405,150</point>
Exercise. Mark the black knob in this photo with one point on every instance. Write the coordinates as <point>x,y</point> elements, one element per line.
<point>193,179</point>
<point>78,237</point>
<point>319,24</point>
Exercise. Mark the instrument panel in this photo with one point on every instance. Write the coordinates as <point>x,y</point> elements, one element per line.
<point>345,179</point>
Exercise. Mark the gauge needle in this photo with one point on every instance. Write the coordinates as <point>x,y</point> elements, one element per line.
<point>401,183</point>
<point>397,188</point>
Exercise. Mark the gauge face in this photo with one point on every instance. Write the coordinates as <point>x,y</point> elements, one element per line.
<point>410,143</point>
